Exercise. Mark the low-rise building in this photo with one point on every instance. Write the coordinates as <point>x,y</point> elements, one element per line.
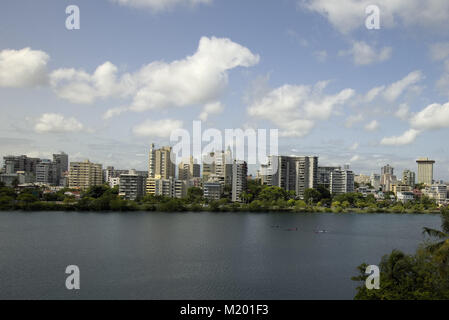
<point>132,185</point>
<point>400,187</point>
<point>405,196</point>
<point>172,188</point>
<point>212,190</point>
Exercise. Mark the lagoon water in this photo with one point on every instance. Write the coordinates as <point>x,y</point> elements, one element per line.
<point>196,255</point>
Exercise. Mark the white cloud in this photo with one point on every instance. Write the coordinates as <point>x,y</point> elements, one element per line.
<point>439,51</point>
<point>78,86</point>
<point>211,108</point>
<point>443,83</point>
<point>57,123</point>
<point>23,68</point>
<point>354,147</point>
<point>406,138</point>
<point>197,79</point>
<point>351,120</point>
<point>396,89</point>
<point>403,112</point>
<point>364,54</point>
<point>157,128</point>
<point>373,93</point>
<point>296,108</point>
<point>348,15</point>
<point>434,116</point>
<point>160,5</point>
<point>372,126</point>
<point>114,112</point>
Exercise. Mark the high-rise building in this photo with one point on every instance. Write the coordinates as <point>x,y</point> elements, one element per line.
<point>425,171</point>
<point>47,172</point>
<point>342,181</point>
<point>218,165</point>
<point>291,173</point>
<point>20,163</point>
<point>408,178</point>
<point>375,180</point>
<point>324,175</point>
<point>61,162</point>
<point>83,175</point>
<point>239,179</point>
<point>387,178</point>
<point>362,179</point>
<point>208,165</point>
<point>131,185</point>
<point>306,174</point>
<point>189,169</point>
<point>160,164</point>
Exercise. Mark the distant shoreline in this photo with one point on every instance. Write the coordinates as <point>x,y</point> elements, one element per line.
<point>143,208</point>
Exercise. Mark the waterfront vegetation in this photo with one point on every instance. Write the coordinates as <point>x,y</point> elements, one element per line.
<point>257,198</point>
<point>420,276</point>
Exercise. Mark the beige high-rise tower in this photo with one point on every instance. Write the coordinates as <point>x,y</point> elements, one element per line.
<point>425,170</point>
<point>160,165</point>
<point>83,175</point>
<point>188,169</point>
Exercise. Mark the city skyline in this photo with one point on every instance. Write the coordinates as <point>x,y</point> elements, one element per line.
<point>360,97</point>
<point>222,159</point>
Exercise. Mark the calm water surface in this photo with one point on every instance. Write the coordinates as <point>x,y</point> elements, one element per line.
<point>196,255</point>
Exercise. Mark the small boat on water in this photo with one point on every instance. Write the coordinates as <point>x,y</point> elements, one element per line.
<point>320,231</point>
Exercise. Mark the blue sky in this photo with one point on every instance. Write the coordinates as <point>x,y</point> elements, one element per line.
<point>305,67</point>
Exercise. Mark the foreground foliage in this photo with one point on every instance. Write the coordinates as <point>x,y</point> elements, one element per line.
<point>423,275</point>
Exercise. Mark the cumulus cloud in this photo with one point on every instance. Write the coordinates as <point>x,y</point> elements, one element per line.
<point>23,68</point>
<point>211,108</point>
<point>197,79</point>
<point>157,128</point>
<point>393,91</point>
<point>364,54</point>
<point>434,116</point>
<point>353,119</point>
<point>354,147</point>
<point>406,138</point>
<point>296,108</point>
<point>373,93</point>
<point>114,112</point>
<point>439,51</point>
<point>57,123</point>
<point>78,86</point>
<point>403,112</point>
<point>372,126</point>
<point>348,15</point>
<point>160,5</point>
